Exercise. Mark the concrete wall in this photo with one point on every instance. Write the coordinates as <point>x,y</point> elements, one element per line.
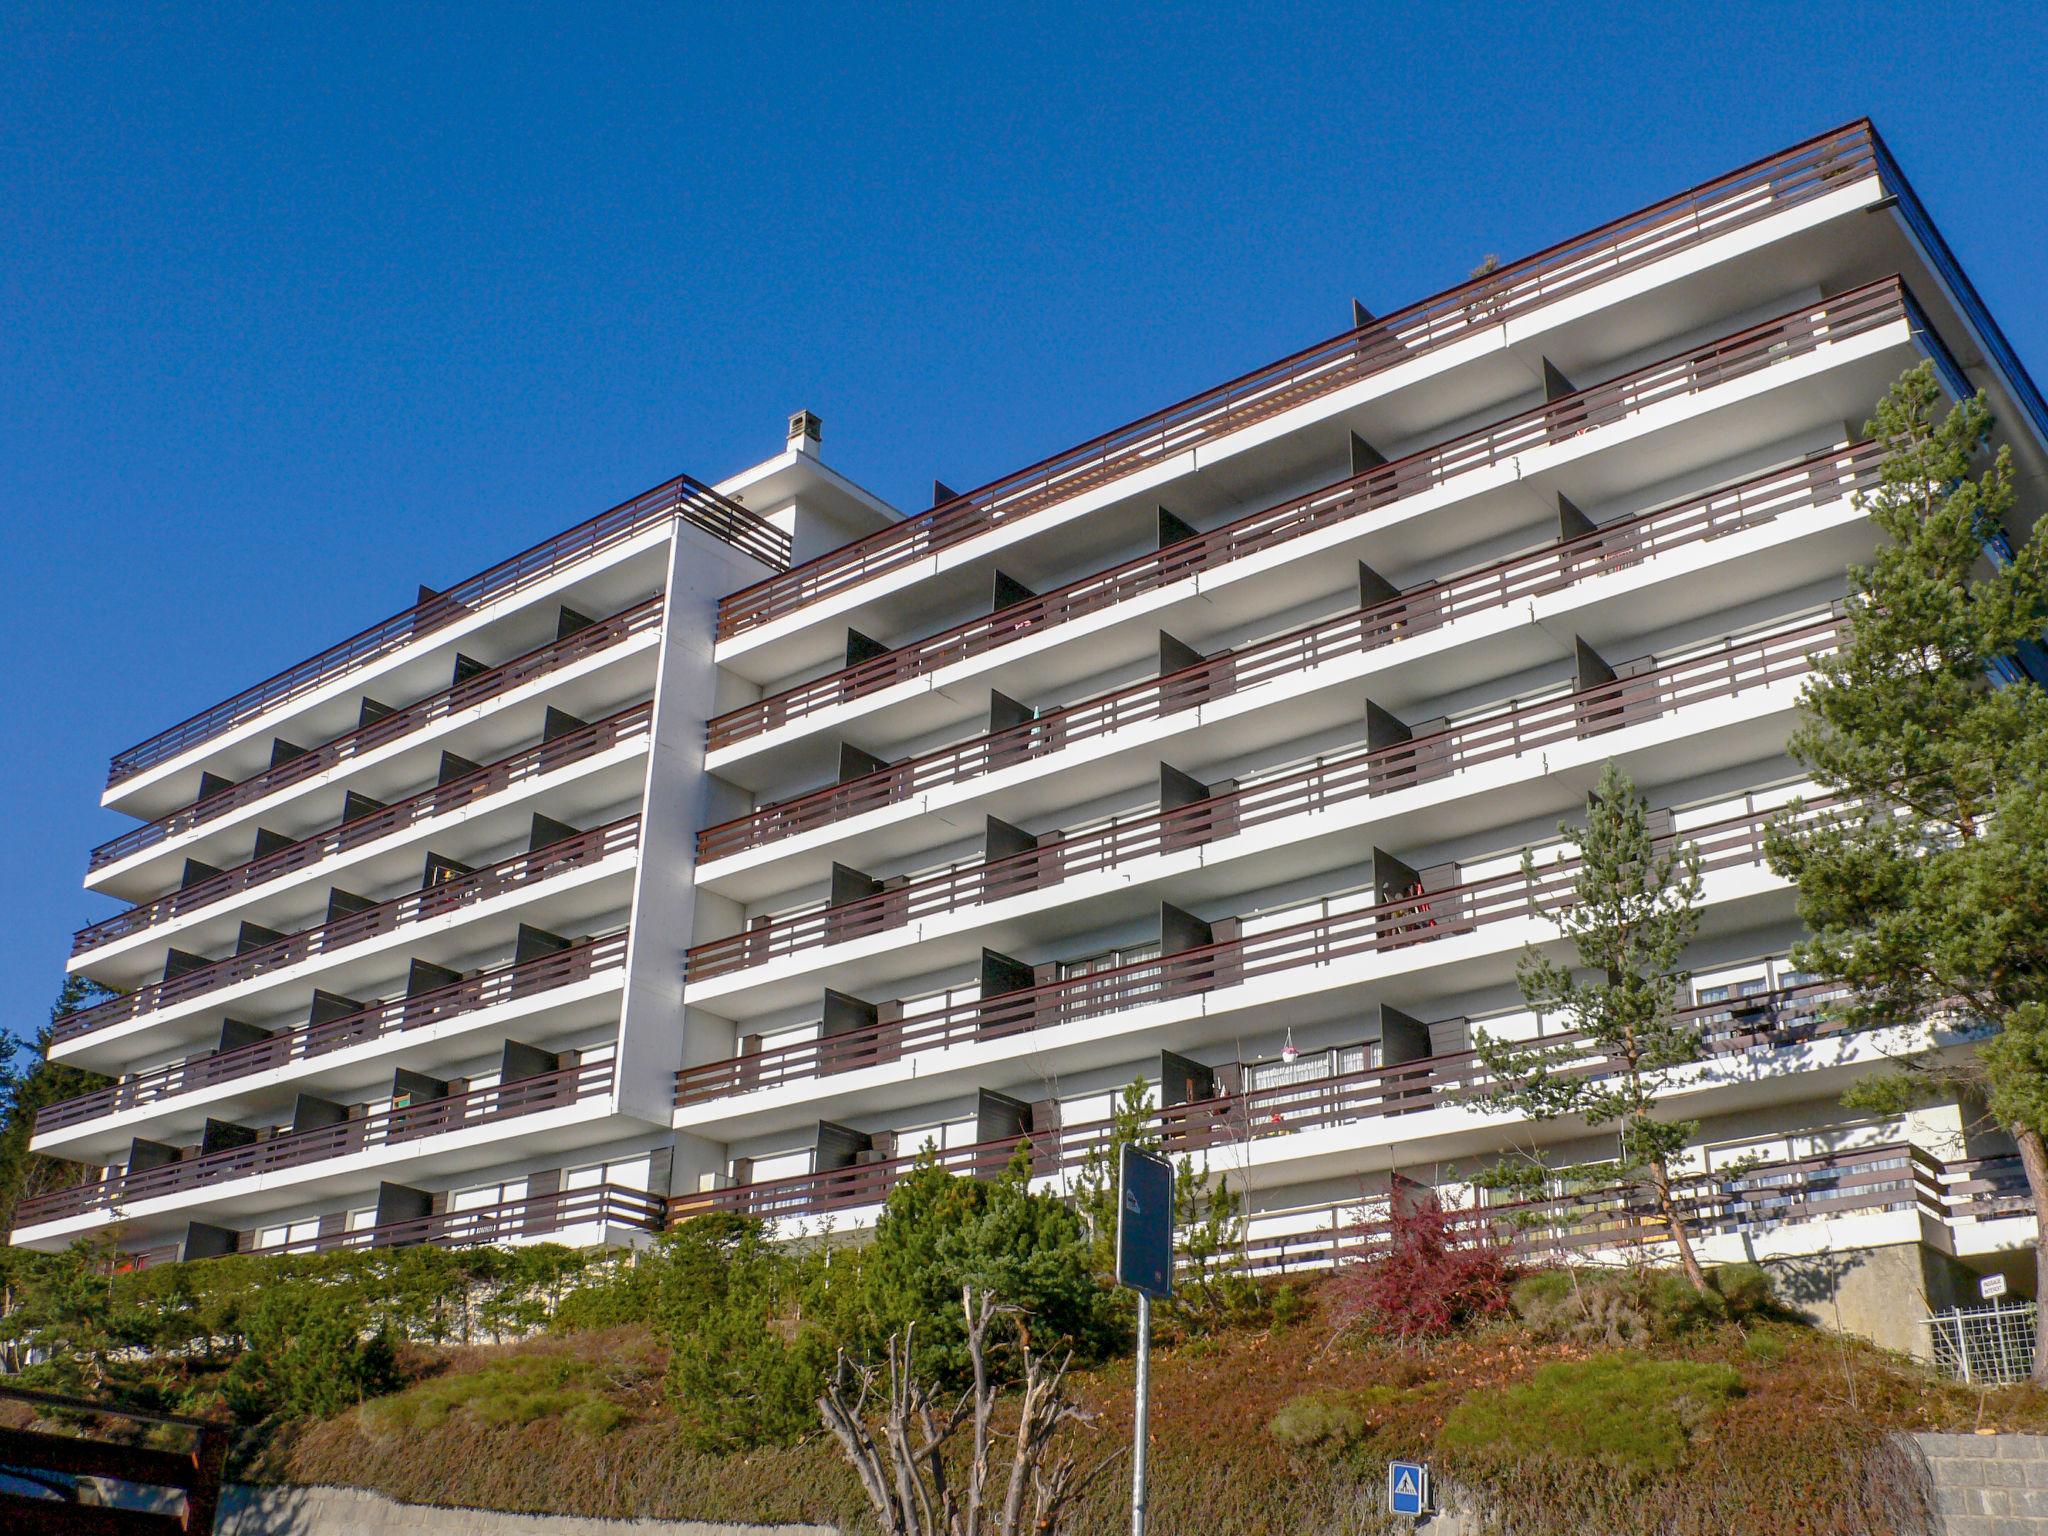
<point>1880,1294</point>
<point>247,1511</point>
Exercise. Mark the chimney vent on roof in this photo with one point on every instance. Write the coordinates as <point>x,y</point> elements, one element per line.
<point>805,433</point>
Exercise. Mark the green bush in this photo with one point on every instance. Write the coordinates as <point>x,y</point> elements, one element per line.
<point>523,1389</point>
<point>1677,1309</point>
<point>1626,1411</point>
<point>1767,1347</point>
<point>1318,1418</point>
<point>1581,1308</point>
<point>1747,1290</point>
<point>1289,1305</point>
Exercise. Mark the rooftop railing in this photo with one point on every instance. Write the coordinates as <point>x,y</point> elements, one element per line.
<point>311,1042</point>
<point>641,618</point>
<point>1823,478</point>
<point>550,756</point>
<point>1740,666</point>
<point>682,497</point>
<point>1388,926</point>
<point>296,1149</point>
<point>520,872</point>
<point>1728,203</point>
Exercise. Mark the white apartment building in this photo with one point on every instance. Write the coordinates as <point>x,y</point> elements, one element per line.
<point>733,847</point>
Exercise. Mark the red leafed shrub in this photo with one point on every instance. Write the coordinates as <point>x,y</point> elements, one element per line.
<point>1425,1275</point>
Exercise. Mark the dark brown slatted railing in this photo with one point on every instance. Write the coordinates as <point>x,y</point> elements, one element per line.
<point>1380,929</point>
<point>546,757</point>
<point>1820,479</point>
<point>1892,1178</point>
<point>1740,666</point>
<point>1778,341</point>
<point>1827,476</point>
<point>1765,1022</point>
<point>681,497</point>
<point>506,1221</point>
<point>1702,367</point>
<point>1718,207</point>
<point>185,1457</point>
<point>518,872</point>
<point>642,618</point>
<point>481,1106</point>
<point>579,962</point>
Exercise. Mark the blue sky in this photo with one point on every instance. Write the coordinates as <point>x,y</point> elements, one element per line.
<point>301,306</point>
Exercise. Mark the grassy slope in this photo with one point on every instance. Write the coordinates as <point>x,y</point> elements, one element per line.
<point>1801,1451</point>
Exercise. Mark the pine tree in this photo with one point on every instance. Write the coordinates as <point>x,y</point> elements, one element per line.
<point>1925,885</point>
<point>1632,913</point>
<point>24,1090</point>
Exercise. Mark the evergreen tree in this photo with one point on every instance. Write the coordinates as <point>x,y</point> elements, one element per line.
<point>24,1089</point>
<point>1631,915</point>
<point>1924,884</point>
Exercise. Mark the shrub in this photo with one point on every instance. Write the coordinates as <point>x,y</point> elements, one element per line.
<point>1747,1290</point>
<point>1628,1412</point>
<point>1317,1418</point>
<point>523,1389</point>
<point>1767,1347</point>
<point>1429,1281</point>
<point>1289,1304</point>
<point>1677,1309</point>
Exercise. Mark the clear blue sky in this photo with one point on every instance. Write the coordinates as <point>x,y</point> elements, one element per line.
<point>303,305</point>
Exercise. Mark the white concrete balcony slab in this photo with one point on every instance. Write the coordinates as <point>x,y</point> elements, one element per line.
<point>408,657</point>
<point>429,1142</point>
<point>1641,278</point>
<point>584,777</point>
<point>1731,705</point>
<point>565,887</point>
<point>592,673</point>
<point>539,1002</point>
<point>1403,952</point>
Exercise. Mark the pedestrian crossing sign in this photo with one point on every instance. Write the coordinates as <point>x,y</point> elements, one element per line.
<point>1408,1487</point>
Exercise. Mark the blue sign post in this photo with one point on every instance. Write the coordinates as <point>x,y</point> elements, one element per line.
<point>1408,1488</point>
<point>1144,1263</point>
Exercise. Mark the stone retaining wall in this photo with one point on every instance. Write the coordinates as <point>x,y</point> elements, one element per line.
<point>1988,1485</point>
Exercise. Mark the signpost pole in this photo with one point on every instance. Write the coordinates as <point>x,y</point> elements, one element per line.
<point>1144,1407</point>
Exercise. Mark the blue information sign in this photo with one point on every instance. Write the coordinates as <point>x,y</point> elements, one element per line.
<point>1144,1223</point>
<point>1408,1487</point>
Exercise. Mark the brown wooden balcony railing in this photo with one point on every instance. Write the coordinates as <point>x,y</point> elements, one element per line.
<point>681,497</point>
<point>1815,481</point>
<point>1740,666</point>
<point>1381,929</point>
<point>579,962</point>
<point>521,871</point>
<point>1894,1177</point>
<point>640,619</point>
<point>1769,1021</point>
<point>1706,212</point>
<point>530,1216</point>
<point>1822,477</point>
<point>1989,1188</point>
<point>183,1457</point>
<point>414,1122</point>
<point>546,757</point>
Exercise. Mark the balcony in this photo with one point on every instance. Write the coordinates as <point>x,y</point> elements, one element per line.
<point>1820,479</point>
<point>1485,305</point>
<point>1739,667</point>
<point>1283,961</point>
<point>1754,1213</point>
<point>314,1044</point>
<point>375,736</point>
<point>522,872</point>
<point>551,756</point>
<point>481,1107</point>
<point>511,1221</point>
<point>1765,1022</point>
<point>682,498</point>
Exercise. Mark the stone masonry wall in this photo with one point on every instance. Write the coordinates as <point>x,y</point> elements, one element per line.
<point>1988,1485</point>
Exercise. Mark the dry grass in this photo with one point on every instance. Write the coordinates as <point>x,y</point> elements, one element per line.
<point>1804,1451</point>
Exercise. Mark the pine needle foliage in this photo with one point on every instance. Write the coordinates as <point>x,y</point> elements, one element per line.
<point>1633,911</point>
<point>1924,883</point>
